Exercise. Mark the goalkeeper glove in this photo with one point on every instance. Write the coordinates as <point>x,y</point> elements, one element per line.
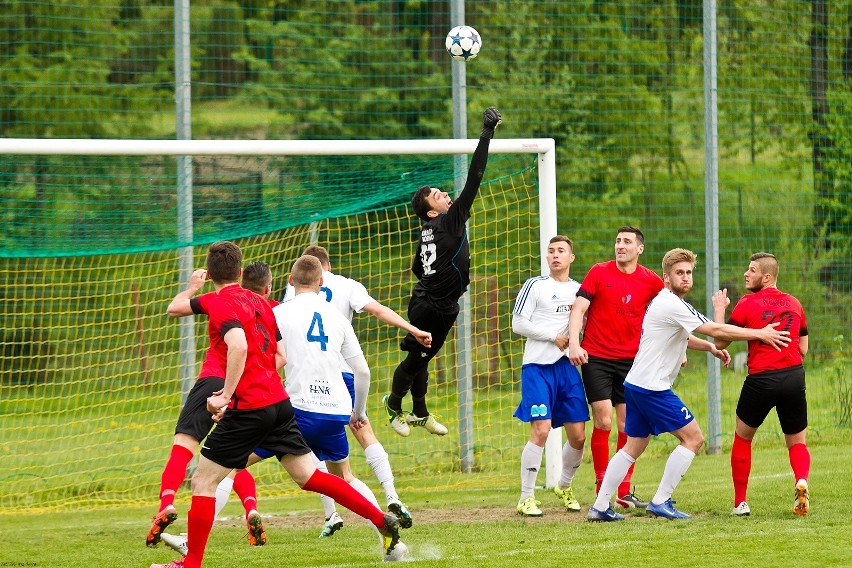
<point>490,119</point>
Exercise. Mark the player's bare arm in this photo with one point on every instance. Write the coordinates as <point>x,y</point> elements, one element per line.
<point>179,306</point>
<point>698,344</point>
<point>777,338</point>
<point>576,354</point>
<point>389,316</point>
<point>720,305</point>
<point>235,338</point>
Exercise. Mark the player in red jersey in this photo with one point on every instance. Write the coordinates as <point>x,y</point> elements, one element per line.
<point>775,378</point>
<point>253,409</point>
<point>612,301</point>
<point>195,422</point>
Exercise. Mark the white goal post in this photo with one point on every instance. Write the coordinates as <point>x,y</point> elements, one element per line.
<point>545,148</point>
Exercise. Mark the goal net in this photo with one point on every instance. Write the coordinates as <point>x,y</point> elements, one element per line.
<point>99,235</point>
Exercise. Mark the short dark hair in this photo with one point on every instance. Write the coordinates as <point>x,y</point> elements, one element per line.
<point>640,236</point>
<point>257,276</point>
<point>562,239</point>
<point>224,260</point>
<point>318,252</point>
<point>767,262</point>
<point>420,202</point>
<point>306,271</point>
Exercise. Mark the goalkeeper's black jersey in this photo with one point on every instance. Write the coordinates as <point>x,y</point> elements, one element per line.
<point>442,261</point>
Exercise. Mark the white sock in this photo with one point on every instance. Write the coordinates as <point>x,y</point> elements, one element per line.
<point>377,459</point>
<point>223,491</point>
<point>676,466</point>
<point>530,464</point>
<point>571,459</point>
<point>615,472</point>
<point>362,488</point>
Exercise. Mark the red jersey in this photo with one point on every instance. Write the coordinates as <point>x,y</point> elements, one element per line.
<point>758,310</point>
<point>216,358</point>
<point>236,307</point>
<point>618,303</point>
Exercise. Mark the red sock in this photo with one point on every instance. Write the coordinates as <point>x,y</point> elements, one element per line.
<point>600,454</point>
<point>344,494</point>
<point>624,488</point>
<point>740,467</point>
<point>246,490</point>
<point>173,475</point>
<point>800,461</point>
<point>199,524</point>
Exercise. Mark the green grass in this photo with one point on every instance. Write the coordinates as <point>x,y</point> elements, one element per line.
<point>475,527</point>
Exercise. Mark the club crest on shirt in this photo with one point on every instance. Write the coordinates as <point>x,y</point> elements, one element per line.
<point>626,299</point>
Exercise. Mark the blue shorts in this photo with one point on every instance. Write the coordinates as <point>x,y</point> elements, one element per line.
<point>326,438</point>
<point>552,392</point>
<point>653,412</point>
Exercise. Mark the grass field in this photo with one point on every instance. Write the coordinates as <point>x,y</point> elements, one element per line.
<point>479,527</point>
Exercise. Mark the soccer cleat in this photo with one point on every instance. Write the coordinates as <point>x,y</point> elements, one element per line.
<point>176,543</point>
<point>568,500</point>
<point>256,532</point>
<point>666,510</point>
<point>390,532</point>
<point>159,522</point>
<point>428,423</point>
<point>398,508</point>
<point>333,523</point>
<point>604,516</point>
<point>529,507</point>
<point>172,564</point>
<point>631,501</point>
<point>802,504</point>
<point>396,419</point>
<point>741,510</point>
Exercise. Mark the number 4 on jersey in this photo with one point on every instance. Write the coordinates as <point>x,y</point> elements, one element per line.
<point>316,332</point>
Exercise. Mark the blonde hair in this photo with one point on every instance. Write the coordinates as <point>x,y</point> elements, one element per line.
<point>678,255</point>
<point>306,272</point>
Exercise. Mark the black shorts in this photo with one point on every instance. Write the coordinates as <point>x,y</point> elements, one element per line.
<point>239,432</point>
<point>427,318</point>
<point>194,418</point>
<point>603,379</point>
<point>783,389</point>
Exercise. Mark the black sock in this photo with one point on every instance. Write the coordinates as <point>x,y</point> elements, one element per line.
<point>419,407</point>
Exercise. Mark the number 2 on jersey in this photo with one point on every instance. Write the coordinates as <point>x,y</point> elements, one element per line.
<point>316,332</point>
<point>427,257</point>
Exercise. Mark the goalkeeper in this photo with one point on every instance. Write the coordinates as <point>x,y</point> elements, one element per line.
<point>442,267</point>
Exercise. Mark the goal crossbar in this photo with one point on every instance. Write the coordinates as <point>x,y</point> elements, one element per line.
<point>545,148</point>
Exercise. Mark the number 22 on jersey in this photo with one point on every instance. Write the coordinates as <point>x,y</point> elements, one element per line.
<point>316,332</point>
<point>427,257</point>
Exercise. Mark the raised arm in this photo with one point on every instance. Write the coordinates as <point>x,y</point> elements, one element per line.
<point>720,305</point>
<point>490,119</point>
<point>180,305</point>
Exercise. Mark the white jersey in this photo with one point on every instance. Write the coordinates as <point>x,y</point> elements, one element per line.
<point>316,341</point>
<point>668,323</point>
<point>348,296</point>
<point>541,313</point>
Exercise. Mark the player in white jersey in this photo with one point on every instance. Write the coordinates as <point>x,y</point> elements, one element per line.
<point>652,406</point>
<point>316,339</point>
<point>551,387</point>
<point>348,296</point>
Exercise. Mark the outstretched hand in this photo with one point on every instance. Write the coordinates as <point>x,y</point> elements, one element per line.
<point>490,119</point>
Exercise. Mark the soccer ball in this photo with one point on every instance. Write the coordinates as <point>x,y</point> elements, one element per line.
<point>399,553</point>
<point>463,43</point>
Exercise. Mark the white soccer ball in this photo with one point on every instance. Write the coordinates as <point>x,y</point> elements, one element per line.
<point>400,552</point>
<point>463,43</point>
